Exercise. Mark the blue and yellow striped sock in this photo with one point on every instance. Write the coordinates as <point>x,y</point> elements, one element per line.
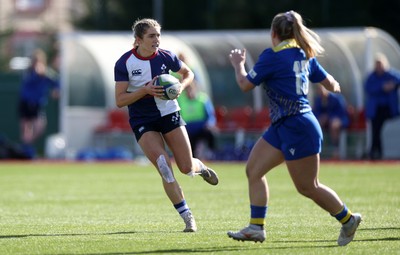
<point>258,214</point>
<point>343,215</point>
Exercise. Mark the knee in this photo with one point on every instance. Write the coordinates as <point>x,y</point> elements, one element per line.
<point>307,190</point>
<point>185,167</point>
<point>252,175</point>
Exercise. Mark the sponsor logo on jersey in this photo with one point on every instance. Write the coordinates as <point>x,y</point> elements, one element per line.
<point>252,73</point>
<point>137,72</point>
<point>292,151</point>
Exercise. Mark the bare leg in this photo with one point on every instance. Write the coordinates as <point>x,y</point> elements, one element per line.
<point>262,159</point>
<point>304,173</point>
<point>178,142</point>
<point>152,145</point>
<point>26,131</point>
<point>39,126</point>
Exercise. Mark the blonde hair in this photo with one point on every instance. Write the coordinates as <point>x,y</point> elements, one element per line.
<point>289,25</point>
<point>140,26</point>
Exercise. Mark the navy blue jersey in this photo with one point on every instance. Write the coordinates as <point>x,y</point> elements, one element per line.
<point>138,71</point>
<point>286,72</point>
<point>35,88</point>
<point>335,107</point>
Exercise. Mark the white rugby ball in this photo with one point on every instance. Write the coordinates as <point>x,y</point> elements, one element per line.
<point>171,86</point>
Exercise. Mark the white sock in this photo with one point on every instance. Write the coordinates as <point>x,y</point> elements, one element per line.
<point>200,165</point>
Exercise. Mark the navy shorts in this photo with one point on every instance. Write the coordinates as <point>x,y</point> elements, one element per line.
<point>163,125</point>
<point>28,110</point>
<point>296,136</point>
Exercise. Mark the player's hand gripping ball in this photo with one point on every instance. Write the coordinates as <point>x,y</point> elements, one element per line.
<point>171,86</point>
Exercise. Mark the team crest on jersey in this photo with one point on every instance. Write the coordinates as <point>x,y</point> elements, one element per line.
<point>137,72</point>
<point>252,73</point>
<point>163,67</point>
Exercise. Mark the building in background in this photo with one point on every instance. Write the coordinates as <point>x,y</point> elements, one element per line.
<point>28,24</point>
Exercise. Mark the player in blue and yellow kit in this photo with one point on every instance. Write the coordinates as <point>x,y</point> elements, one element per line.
<point>154,120</point>
<point>294,136</point>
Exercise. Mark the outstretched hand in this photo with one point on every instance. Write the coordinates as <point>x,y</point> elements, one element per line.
<point>237,57</point>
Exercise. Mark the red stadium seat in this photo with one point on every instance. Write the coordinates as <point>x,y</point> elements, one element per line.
<point>358,121</point>
<point>261,119</point>
<point>117,120</point>
<point>242,117</point>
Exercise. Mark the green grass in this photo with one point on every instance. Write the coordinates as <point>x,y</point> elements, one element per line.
<point>120,208</point>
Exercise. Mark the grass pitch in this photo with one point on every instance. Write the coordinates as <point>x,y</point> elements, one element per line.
<point>121,208</point>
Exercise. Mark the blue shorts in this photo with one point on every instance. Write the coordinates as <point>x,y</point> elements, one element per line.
<point>296,136</point>
<point>163,125</point>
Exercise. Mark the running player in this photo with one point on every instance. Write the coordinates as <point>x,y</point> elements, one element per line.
<point>295,135</point>
<point>154,120</point>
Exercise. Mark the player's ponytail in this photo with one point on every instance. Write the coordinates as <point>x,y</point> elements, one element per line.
<point>290,25</point>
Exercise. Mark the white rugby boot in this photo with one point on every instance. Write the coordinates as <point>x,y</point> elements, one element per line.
<point>248,234</point>
<point>348,229</point>
<point>189,221</point>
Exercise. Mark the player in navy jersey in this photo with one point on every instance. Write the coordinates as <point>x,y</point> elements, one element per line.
<point>154,120</point>
<point>294,136</point>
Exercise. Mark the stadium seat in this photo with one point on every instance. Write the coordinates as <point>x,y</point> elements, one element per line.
<point>117,120</point>
<point>241,117</point>
<point>261,120</point>
<point>221,114</point>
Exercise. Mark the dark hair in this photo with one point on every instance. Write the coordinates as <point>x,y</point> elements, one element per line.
<point>290,25</point>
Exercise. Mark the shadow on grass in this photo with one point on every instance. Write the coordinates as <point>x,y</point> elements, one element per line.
<point>243,249</point>
<point>374,229</point>
<point>395,238</point>
<point>216,249</point>
<point>208,250</point>
<point>68,234</point>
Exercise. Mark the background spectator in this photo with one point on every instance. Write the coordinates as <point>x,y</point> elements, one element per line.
<point>199,114</point>
<point>34,93</point>
<point>382,100</point>
<point>331,112</point>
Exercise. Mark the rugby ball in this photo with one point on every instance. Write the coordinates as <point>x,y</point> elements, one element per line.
<point>171,86</point>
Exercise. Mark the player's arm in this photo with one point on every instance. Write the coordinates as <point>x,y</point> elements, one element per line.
<point>238,58</point>
<point>331,84</point>
<point>124,98</point>
<point>186,74</point>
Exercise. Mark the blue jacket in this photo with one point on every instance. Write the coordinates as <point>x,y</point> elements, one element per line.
<point>35,87</point>
<point>335,108</point>
<point>376,96</point>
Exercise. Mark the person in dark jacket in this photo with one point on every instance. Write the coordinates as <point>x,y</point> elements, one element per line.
<point>331,112</point>
<point>382,101</point>
<point>38,83</point>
